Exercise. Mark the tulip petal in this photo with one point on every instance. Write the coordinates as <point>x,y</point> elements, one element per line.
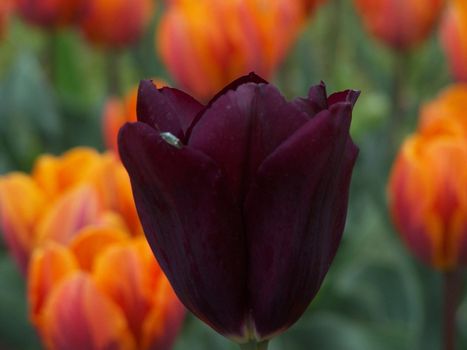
<point>22,203</point>
<point>49,266</point>
<point>234,85</point>
<point>162,325</point>
<point>316,102</point>
<point>295,214</point>
<point>91,242</point>
<point>78,316</point>
<point>243,127</point>
<point>73,211</point>
<point>350,96</point>
<point>191,224</point>
<point>166,109</point>
<point>133,287</point>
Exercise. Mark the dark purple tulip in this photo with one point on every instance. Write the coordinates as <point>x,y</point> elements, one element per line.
<point>243,201</point>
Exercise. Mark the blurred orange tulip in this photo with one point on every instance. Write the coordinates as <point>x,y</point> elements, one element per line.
<point>427,188</point>
<point>454,38</point>
<point>116,23</point>
<point>6,7</point>
<point>117,113</point>
<point>400,24</point>
<point>63,195</point>
<point>205,44</point>
<point>311,5</point>
<point>102,291</point>
<point>50,13</point>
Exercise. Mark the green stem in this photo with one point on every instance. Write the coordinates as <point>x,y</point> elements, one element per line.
<point>399,99</point>
<point>50,54</point>
<point>114,83</point>
<point>253,345</point>
<point>452,290</point>
<point>333,34</point>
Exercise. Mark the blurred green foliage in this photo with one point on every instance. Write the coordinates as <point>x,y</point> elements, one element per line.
<point>376,296</point>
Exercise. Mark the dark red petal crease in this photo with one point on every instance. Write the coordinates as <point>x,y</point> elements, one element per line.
<point>242,128</point>
<point>166,109</point>
<point>191,224</point>
<point>250,78</point>
<point>295,213</point>
<point>350,96</point>
<point>316,101</point>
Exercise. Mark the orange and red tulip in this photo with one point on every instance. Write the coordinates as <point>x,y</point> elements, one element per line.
<point>311,5</point>
<point>117,113</point>
<point>427,188</point>
<point>62,196</point>
<point>105,290</point>
<point>116,23</point>
<point>206,44</point>
<point>6,7</point>
<point>50,13</point>
<point>454,38</point>
<point>400,24</point>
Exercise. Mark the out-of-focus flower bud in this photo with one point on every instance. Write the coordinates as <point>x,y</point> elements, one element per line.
<point>311,5</point>
<point>63,195</point>
<point>6,7</point>
<point>116,23</point>
<point>427,188</point>
<point>454,38</point>
<point>103,291</point>
<point>22,203</point>
<point>205,44</point>
<point>50,13</point>
<point>117,113</point>
<point>400,24</point>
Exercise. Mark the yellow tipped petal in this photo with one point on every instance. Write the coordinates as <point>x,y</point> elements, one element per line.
<point>58,174</point>
<point>134,286</point>
<point>22,203</point>
<point>91,242</point>
<point>165,319</point>
<point>72,212</point>
<point>49,266</point>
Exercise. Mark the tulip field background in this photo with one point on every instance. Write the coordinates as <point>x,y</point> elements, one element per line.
<point>53,88</point>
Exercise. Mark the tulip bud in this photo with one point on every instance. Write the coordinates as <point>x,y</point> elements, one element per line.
<point>454,38</point>
<point>243,201</point>
<point>205,44</point>
<point>116,23</point>
<point>103,291</point>
<point>428,181</point>
<point>400,24</point>
<point>50,13</point>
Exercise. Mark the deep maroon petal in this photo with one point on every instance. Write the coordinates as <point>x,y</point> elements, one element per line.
<point>316,102</point>
<point>166,109</point>
<point>191,225</point>
<point>234,85</point>
<point>243,127</point>
<point>350,96</point>
<point>295,214</point>
<point>250,78</point>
